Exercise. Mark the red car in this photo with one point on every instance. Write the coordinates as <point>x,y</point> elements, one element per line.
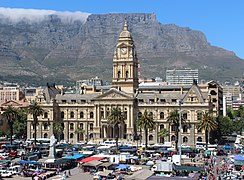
<point>13,154</point>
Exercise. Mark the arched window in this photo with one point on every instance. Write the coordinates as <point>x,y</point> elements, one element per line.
<point>139,115</point>
<point>91,115</point>
<point>150,137</point>
<point>199,139</point>
<point>173,128</point>
<point>45,115</point>
<point>173,138</point>
<point>184,116</point>
<point>212,92</point>
<point>71,135</point>
<point>62,114</point>
<point>91,126</point>
<point>119,74</point>
<point>45,126</point>
<point>91,136</point>
<point>162,115</point>
<point>71,126</point>
<point>185,128</point>
<point>33,135</point>
<point>161,126</point>
<point>81,125</point>
<point>45,135</point>
<point>185,139</point>
<point>81,114</point>
<point>126,74</point>
<point>72,114</point>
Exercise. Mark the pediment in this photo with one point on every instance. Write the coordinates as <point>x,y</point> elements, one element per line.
<point>114,94</point>
<point>194,95</point>
<point>11,103</point>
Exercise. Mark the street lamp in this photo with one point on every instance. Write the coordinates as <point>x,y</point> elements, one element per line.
<point>179,132</point>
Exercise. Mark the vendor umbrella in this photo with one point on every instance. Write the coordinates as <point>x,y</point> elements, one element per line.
<point>122,166</point>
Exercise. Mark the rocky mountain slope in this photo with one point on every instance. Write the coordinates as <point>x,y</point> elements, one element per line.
<point>59,47</point>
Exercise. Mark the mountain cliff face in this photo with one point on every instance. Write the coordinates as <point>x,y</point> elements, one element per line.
<point>52,49</point>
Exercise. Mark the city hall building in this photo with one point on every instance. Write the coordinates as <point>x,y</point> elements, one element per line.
<point>89,109</point>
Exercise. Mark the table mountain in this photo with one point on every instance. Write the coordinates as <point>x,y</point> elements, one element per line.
<point>63,47</point>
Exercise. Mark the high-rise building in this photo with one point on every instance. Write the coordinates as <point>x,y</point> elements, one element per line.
<point>181,76</point>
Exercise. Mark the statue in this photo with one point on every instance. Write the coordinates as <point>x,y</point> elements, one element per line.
<point>52,151</point>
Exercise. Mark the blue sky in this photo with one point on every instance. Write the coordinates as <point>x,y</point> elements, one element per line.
<point>222,21</point>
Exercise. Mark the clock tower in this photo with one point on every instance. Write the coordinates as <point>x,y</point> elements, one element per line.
<point>125,63</point>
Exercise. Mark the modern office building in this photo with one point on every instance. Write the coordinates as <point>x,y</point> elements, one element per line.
<point>181,76</point>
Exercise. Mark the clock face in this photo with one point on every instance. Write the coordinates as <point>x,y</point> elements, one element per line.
<point>123,50</point>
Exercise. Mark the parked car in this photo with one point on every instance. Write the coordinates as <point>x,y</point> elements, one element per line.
<point>5,174</point>
<point>221,153</point>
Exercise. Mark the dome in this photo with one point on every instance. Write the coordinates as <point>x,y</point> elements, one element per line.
<point>125,33</point>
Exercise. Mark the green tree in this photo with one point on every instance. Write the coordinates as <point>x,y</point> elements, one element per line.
<point>208,124</point>
<point>116,117</point>
<point>20,126</point>
<point>10,114</point>
<point>58,129</point>
<point>36,110</point>
<point>79,132</point>
<point>174,120</point>
<point>163,133</point>
<point>225,126</point>
<point>146,122</point>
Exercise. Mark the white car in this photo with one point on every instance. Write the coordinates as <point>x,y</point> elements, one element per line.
<point>5,173</point>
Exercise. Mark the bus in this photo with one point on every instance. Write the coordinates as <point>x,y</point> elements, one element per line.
<point>202,145</point>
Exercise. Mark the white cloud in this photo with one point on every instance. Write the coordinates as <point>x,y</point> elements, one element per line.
<point>15,15</point>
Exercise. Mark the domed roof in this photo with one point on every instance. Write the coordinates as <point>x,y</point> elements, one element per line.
<point>125,33</point>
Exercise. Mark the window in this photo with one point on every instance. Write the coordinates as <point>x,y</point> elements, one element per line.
<point>63,101</point>
<point>91,127</point>
<point>81,114</point>
<point>173,138</point>
<point>199,139</point>
<point>107,113</point>
<point>212,92</point>
<point>45,135</point>
<point>102,114</point>
<point>185,139</point>
<point>151,100</point>
<point>185,129</point>
<point>71,126</point>
<point>184,116</point>
<point>71,135</point>
<point>174,100</point>
<point>91,115</point>
<point>126,74</point>
<point>150,137</point>
<point>118,74</point>
<point>45,115</point>
<point>140,100</point>
<point>162,100</point>
<point>173,128</point>
<point>45,126</point>
<point>81,125</point>
<point>161,115</point>
<point>72,114</point>
<point>62,114</point>
<point>199,116</point>
<point>125,114</point>
<point>139,115</point>
<point>161,126</point>
<point>73,101</point>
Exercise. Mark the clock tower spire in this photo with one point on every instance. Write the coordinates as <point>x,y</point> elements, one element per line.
<point>125,63</point>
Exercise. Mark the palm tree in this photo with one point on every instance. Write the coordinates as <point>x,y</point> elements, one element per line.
<point>208,124</point>
<point>11,115</point>
<point>79,131</point>
<point>147,123</point>
<point>174,120</point>
<point>36,111</point>
<point>58,129</point>
<point>163,133</point>
<point>116,117</point>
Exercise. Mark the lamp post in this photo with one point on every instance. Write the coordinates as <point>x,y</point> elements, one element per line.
<point>179,132</point>
<point>87,133</point>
